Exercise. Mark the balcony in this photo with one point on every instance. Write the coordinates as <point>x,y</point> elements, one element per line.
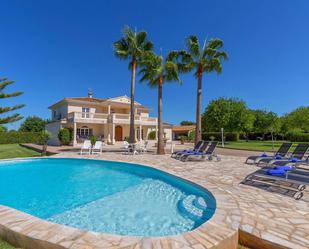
<point>104,118</point>
<point>87,117</point>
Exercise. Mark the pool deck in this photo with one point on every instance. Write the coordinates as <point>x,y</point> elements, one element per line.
<point>264,219</point>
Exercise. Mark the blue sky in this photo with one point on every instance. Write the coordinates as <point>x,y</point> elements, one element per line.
<point>56,49</point>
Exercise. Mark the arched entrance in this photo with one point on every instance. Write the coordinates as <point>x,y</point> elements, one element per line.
<point>118,133</point>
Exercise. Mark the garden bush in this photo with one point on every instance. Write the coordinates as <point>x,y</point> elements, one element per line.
<point>16,137</point>
<point>152,135</point>
<point>64,136</point>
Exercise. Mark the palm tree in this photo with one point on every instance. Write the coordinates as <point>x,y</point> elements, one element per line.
<point>203,59</point>
<point>156,71</point>
<point>132,46</point>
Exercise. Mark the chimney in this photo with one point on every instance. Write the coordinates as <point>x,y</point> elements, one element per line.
<point>90,95</point>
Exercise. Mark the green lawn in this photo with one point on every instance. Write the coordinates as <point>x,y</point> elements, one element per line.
<point>4,245</point>
<point>15,150</point>
<point>254,145</point>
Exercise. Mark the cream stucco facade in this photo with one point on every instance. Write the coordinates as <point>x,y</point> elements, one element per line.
<point>107,119</point>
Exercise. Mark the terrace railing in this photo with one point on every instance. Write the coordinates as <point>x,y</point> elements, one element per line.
<point>109,118</point>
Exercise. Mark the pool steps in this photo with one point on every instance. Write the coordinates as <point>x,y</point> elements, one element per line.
<point>192,207</point>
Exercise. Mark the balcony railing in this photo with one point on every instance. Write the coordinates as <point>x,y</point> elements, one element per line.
<point>110,118</point>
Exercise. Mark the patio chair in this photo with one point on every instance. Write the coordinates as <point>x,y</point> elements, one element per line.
<point>142,146</point>
<point>281,153</point>
<point>202,153</point>
<point>86,147</point>
<point>97,148</point>
<point>126,146</point>
<point>196,148</point>
<point>288,182</point>
<point>298,154</point>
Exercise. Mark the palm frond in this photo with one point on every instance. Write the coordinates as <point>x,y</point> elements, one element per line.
<point>171,72</point>
<point>215,43</point>
<point>193,46</point>
<point>121,49</point>
<point>213,65</point>
<point>222,55</point>
<point>184,61</point>
<point>141,38</point>
<point>133,44</point>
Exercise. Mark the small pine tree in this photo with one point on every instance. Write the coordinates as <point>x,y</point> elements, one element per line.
<point>4,82</point>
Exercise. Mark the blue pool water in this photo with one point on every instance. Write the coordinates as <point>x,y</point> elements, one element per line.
<point>103,196</point>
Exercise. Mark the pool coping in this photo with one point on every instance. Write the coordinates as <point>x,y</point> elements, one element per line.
<point>27,231</point>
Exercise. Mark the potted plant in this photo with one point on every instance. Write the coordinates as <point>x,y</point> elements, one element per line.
<point>93,139</point>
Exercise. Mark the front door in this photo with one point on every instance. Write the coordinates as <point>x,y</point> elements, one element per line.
<point>118,133</point>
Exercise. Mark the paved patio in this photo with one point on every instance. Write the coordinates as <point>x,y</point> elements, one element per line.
<point>280,221</point>
<point>270,216</point>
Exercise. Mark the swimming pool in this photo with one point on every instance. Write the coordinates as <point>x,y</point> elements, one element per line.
<point>104,196</point>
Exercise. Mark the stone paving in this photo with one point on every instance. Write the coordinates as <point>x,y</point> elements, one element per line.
<point>279,220</point>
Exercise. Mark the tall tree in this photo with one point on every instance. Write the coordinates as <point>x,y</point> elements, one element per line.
<point>186,122</point>
<point>228,113</point>
<point>4,82</point>
<point>33,124</point>
<point>131,47</point>
<point>297,119</point>
<point>266,122</point>
<point>202,59</point>
<point>157,70</point>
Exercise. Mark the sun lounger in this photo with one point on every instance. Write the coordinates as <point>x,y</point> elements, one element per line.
<point>203,153</point>
<point>86,147</point>
<point>202,149</point>
<point>281,153</point>
<point>298,154</point>
<point>290,182</point>
<point>294,162</point>
<point>179,153</point>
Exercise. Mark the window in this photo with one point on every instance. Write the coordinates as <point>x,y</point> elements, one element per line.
<point>85,112</point>
<point>84,132</point>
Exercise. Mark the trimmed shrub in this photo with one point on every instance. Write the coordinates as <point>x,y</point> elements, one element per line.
<point>228,136</point>
<point>64,136</point>
<point>16,137</point>
<point>152,135</point>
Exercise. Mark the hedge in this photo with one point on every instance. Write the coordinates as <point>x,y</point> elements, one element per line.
<point>16,137</point>
<point>228,136</point>
<point>297,137</point>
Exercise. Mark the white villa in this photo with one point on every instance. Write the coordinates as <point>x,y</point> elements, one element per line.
<point>107,119</point>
